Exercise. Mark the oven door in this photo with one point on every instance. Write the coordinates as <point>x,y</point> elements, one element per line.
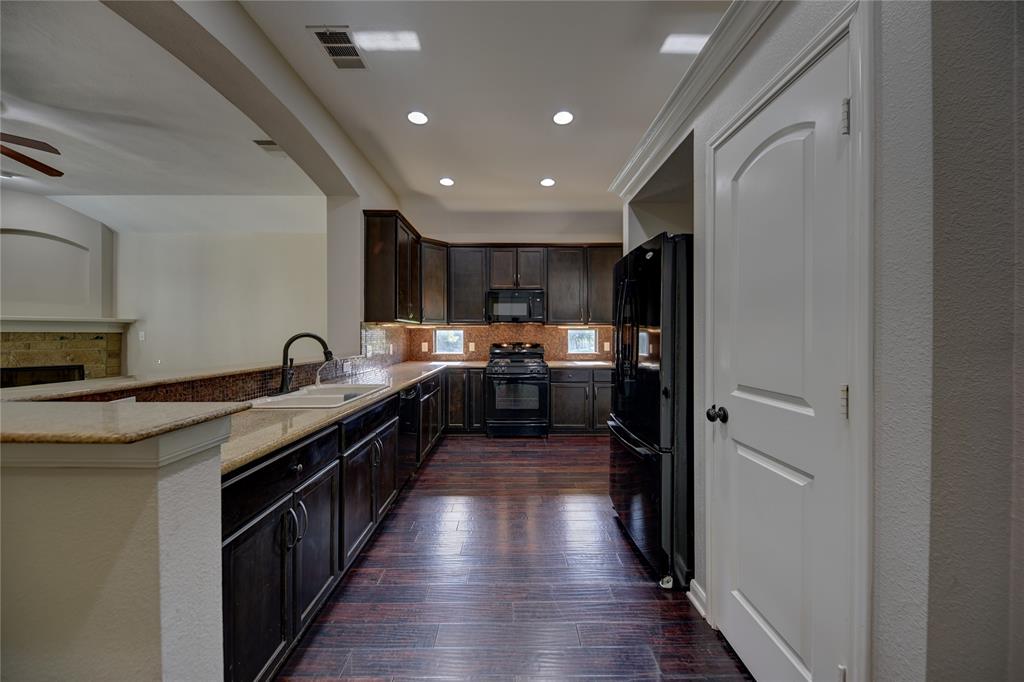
<point>517,399</point>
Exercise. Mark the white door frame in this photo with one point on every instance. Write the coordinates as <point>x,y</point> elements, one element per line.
<point>858,20</point>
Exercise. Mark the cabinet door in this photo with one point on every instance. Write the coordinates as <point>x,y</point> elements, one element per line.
<point>456,399</point>
<point>476,412</point>
<point>602,406</point>
<point>317,564</point>
<point>357,497</point>
<point>530,267</point>
<point>429,413</point>
<point>386,473</point>
<point>566,290</point>
<point>435,418</point>
<point>434,265</point>
<point>467,284</point>
<point>570,407</point>
<point>600,263</point>
<point>503,268</point>
<point>408,274</point>
<point>257,593</point>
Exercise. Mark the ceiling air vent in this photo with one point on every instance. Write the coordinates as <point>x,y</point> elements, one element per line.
<point>340,47</point>
<point>271,147</point>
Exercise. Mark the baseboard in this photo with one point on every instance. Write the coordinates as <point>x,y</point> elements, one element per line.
<point>698,598</point>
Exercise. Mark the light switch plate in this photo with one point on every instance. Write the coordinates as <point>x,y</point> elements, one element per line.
<point>607,346</point>
<point>424,346</point>
<point>391,349</point>
<point>472,346</point>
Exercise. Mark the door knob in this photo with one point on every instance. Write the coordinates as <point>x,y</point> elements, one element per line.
<point>715,414</point>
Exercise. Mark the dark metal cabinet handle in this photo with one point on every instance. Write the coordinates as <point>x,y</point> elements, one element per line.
<point>305,525</point>
<point>715,414</point>
<point>295,520</point>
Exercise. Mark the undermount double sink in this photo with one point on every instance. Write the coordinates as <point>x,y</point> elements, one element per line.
<point>318,397</point>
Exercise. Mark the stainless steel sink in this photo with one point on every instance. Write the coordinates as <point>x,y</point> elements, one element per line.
<point>325,397</point>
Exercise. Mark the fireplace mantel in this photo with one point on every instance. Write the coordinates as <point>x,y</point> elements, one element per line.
<point>65,324</point>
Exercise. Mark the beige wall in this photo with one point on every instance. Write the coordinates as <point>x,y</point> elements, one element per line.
<point>208,301</point>
<point>56,261</point>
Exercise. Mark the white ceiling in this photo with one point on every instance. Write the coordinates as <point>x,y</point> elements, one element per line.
<point>490,75</point>
<point>128,117</point>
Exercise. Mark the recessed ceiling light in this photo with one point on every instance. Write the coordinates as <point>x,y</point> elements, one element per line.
<point>447,182</point>
<point>417,117</point>
<point>563,118</point>
<point>684,43</point>
<point>387,41</point>
<point>547,182</point>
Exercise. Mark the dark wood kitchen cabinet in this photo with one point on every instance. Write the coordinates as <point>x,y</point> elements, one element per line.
<point>317,564</point>
<point>369,485</point>
<point>602,404</point>
<point>570,406</point>
<point>280,560</point>
<point>517,267</point>
<point>566,298</point>
<point>386,484</point>
<point>391,268</point>
<point>434,266</point>
<point>467,284</point>
<point>431,417</point>
<point>466,400</point>
<point>600,284</point>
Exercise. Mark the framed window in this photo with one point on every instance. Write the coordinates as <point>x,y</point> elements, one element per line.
<point>448,341</point>
<point>643,346</point>
<point>582,340</point>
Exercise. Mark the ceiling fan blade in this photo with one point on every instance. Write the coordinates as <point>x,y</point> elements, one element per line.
<point>30,162</point>
<point>29,142</point>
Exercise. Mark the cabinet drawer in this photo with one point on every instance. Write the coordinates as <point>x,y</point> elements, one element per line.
<point>355,429</point>
<point>571,376</point>
<point>246,494</point>
<point>604,376</point>
<point>428,386</point>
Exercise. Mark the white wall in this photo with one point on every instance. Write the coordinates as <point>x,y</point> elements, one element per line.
<point>56,261</point>
<point>211,301</point>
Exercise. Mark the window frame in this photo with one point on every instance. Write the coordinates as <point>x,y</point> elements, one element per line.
<point>568,341</point>
<point>462,342</point>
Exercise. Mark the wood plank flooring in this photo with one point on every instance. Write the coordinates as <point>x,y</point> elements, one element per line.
<point>504,561</point>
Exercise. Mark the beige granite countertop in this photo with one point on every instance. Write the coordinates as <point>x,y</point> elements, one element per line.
<point>581,364</point>
<point>90,423</point>
<point>255,433</point>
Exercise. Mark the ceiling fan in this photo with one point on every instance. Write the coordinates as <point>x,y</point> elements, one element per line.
<point>28,160</point>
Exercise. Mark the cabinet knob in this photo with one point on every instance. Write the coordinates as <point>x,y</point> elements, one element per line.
<point>297,468</point>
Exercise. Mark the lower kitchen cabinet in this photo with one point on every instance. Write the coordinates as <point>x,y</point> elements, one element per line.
<point>580,399</point>
<point>257,594</point>
<point>465,396</point>
<point>317,566</point>
<point>570,406</point>
<point>369,486</point>
<point>431,417</point>
<point>386,484</point>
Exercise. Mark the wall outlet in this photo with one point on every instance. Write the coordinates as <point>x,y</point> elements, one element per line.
<point>346,366</point>
<point>607,346</point>
<point>424,346</point>
<point>472,346</point>
<point>142,335</point>
<point>391,349</point>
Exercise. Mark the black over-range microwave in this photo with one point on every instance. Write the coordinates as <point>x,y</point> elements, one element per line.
<point>515,305</point>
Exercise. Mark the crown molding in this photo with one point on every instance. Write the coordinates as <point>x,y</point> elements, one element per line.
<point>739,23</point>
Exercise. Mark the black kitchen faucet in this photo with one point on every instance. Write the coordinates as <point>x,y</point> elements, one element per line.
<point>288,364</point>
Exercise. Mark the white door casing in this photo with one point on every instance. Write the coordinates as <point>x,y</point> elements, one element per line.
<point>781,502</point>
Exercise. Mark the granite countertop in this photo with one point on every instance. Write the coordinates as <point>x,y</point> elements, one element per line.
<point>581,364</point>
<point>256,433</point>
<point>114,423</point>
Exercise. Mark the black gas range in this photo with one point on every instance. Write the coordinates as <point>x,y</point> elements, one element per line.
<point>517,390</point>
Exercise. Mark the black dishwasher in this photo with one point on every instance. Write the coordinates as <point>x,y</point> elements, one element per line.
<point>408,434</point>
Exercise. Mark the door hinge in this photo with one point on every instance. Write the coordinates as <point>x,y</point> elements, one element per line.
<point>844,126</point>
<point>844,400</point>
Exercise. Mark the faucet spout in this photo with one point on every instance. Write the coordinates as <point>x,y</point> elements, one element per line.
<point>288,363</point>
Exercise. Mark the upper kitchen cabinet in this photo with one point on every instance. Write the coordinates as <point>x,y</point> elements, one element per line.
<point>391,268</point>
<point>434,265</point>
<point>517,268</point>
<point>467,284</point>
<point>600,263</point>
<point>567,284</point>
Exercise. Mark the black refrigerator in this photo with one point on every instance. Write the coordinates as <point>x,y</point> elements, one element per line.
<point>651,422</point>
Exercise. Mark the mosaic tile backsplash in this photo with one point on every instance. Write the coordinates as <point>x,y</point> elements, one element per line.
<point>554,338</point>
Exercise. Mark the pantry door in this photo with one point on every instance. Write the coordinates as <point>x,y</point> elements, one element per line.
<point>781,504</point>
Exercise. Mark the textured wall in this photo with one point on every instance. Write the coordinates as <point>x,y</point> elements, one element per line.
<point>554,338</point>
<point>973,92</point>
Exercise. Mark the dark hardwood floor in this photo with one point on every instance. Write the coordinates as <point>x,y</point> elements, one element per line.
<point>503,561</point>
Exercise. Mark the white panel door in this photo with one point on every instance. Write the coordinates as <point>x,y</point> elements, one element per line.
<point>781,534</point>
